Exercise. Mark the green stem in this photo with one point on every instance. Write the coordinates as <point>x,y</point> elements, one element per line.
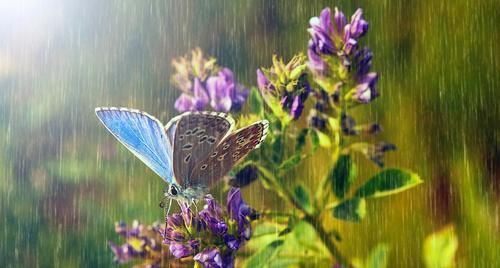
<point>286,195</point>
<point>325,238</point>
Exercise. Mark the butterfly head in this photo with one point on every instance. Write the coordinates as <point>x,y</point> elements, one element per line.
<point>186,196</point>
<point>173,190</point>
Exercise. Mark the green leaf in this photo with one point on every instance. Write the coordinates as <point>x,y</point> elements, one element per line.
<point>351,210</point>
<point>277,154</point>
<point>387,182</point>
<point>255,101</point>
<point>378,257</point>
<point>262,257</point>
<point>300,141</point>
<point>275,106</point>
<point>323,139</point>
<point>298,248</point>
<point>303,240</point>
<point>440,248</point>
<point>342,176</point>
<point>302,198</point>
<point>314,140</point>
<point>291,162</point>
<point>264,234</point>
<point>298,71</point>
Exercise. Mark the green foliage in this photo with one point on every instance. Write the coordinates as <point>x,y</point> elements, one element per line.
<point>379,257</point>
<point>262,257</point>
<point>342,176</point>
<point>351,210</point>
<point>291,162</point>
<point>387,182</point>
<point>315,140</point>
<point>440,248</point>
<point>300,141</point>
<point>302,199</point>
<point>322,139</point>
<point>256,104</point>
<point>436,116</point>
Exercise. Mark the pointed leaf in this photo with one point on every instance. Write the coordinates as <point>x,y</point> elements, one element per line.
<point>298,71</point>
<point>291,162</point>
<point>262,257</point>
<point>378,257</point>
<point>255,102</point>
<point>342,176</point>
<point>301,246</point>
<point>314,140</point>
<point>351,210</point>
<point>387,182</point>
<point>300,141</point>
<point>440,248</point>
<point>323,139</point>
<point>302,198</point>
<point>277,153</point>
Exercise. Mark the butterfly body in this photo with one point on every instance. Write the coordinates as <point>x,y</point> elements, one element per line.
<point>187,195</point>
<point>191,153</point>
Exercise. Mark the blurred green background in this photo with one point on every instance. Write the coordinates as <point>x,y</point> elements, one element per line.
<point>64,180</point>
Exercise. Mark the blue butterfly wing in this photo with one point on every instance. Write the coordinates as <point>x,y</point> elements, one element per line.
<point>170,128</point>
<point>143,135</point>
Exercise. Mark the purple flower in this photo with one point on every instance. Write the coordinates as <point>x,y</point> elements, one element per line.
<point>203,83</point>
<point>321,32</point>
<point>184,103</point>
<point>142,242</point>
<point>196,102</point>
<point>263,82</point>
<point>180,250</point>
<point>209,258</point>
<point>224,93</point>
<point>210,235</point>
<point>232,242</point>
<point>350,128</point>
<point>348,125</point>
<point>285,87</point>
<point>297,106</point>
<point>240,212</point>
<point>365,90</point>
<point>123,253</point>
<point>362,61</point>
<point>340,22</point>
<point>213,258</point>
<point>349,64</point>
<point>374,152</point>
<point>175,221</point>
<point>316,63</point>
<point>358,26</point>
<point>335,41</point>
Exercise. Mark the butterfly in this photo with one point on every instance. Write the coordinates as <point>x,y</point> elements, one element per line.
<point>191,153</point>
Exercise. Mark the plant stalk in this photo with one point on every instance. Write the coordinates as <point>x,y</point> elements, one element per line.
<point>325,238</point>
<point>313,220</point>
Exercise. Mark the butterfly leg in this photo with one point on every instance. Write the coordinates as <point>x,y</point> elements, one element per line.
<point>168,210</point>
<point>193,202</point>
<point>166,216</point>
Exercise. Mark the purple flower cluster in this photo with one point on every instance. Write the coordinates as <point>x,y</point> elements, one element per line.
<point>285,87</point>
<point>334,48</point>
<point>142,242</point>
<point>204,84</point>
<point>211,236</point>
